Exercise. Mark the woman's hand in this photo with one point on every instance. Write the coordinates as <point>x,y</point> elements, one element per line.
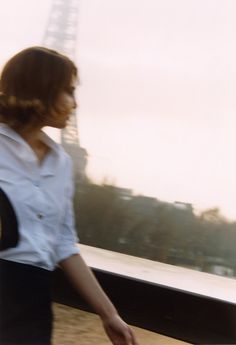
<point>119,332</point>
<point>88,287</point>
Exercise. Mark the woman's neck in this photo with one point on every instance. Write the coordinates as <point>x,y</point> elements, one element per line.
<point>33,137</point>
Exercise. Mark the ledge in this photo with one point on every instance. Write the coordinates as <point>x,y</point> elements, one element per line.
<point>184,304</point>
<point>195,282</point>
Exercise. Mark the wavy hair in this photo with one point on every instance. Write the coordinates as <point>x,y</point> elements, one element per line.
<point>30,84</point>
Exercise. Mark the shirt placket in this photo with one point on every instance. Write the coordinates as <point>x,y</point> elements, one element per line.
<point>37,183</point>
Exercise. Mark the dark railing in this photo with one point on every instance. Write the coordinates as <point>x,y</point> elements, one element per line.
<point>163,308</point>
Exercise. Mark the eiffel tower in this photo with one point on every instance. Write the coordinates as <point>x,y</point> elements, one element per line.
<point>61,35</point>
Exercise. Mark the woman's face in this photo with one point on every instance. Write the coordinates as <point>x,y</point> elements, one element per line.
<point>64,106</point>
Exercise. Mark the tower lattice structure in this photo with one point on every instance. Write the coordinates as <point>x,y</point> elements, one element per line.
<point>61,35</point>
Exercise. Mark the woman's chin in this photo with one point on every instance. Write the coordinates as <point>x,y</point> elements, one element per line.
<point>63,125</point>
<point>59,124</point>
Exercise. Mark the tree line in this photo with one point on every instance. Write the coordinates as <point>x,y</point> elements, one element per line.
<point>152,229</point>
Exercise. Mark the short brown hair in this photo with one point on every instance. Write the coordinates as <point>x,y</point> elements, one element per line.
<point>30,84</point>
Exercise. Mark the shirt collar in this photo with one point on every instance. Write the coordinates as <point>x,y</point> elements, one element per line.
<point>51,143</point>
<point>9,132</point>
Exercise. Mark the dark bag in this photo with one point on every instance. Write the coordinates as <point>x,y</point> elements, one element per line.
<point>9,234</point>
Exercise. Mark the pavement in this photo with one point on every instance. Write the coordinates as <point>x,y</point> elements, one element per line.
<point>76,327</point>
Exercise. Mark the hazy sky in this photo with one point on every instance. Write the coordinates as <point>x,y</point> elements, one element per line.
<point>158,92</point>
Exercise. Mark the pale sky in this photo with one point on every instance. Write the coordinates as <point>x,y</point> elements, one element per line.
<point>158,92</point>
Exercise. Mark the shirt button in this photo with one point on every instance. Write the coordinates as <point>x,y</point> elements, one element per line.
<point>40,216</point>
<point>37,184</point>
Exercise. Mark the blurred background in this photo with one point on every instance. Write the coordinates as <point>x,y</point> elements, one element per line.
<point>155,140</point>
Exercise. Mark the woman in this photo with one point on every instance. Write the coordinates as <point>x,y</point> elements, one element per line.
<point>37,226</point>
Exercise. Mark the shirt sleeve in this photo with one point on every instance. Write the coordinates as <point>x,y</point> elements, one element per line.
<point>68,236</point>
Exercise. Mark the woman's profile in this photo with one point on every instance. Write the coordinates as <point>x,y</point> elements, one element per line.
<point>36,191</point>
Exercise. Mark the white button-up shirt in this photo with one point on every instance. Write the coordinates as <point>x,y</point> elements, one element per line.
<point>41,195</point>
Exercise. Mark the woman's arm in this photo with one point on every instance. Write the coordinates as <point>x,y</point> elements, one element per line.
<point>88,287</point>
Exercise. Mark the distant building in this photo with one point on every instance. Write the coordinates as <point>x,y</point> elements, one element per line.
<point>124,193</point>
<point>183,205</point>
<point>144,205</point>
<point>61,35</point>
